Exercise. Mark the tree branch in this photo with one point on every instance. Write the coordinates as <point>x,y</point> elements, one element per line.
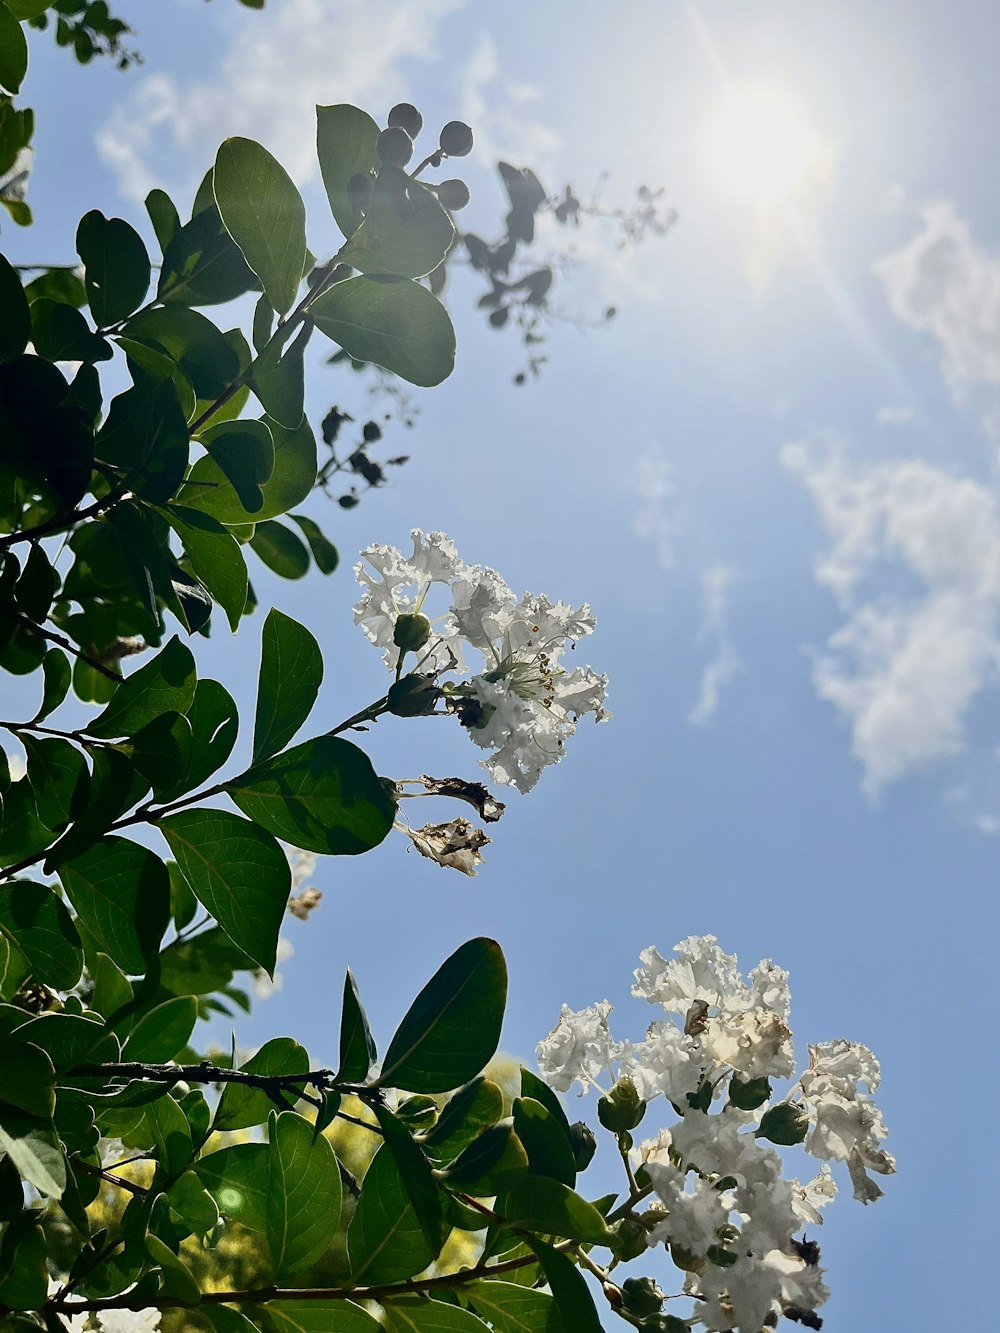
<point>70,647</point>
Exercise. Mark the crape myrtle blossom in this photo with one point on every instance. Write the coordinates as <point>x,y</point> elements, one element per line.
<point>524,704</point>
<point>714,1184</point>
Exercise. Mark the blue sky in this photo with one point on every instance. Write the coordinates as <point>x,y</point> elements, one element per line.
<point>778,464</point>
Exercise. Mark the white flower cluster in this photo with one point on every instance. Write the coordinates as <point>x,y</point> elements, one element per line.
<point>725,1208</point>
<point>523,705</point>
<point>108,1321</point>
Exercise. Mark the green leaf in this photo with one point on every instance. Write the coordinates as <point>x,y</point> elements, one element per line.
<point>146,434</point>
<point>323,551</point>
<point>548,1148</point>
<point>161,751</point>
<point>114,786</point>
<point>321,1317</point>
<point>193,1204</point>
<point>117,266</point>
<point>395,324</point>
<point>357,1046</point>
<point>190,340</point>
<point>13,52</point>
<point>59,777</point>
<point>122,893</point>
<point>322,796</point>
<point>539,1203</point>
<point>149,362</point>
<point>59,332</point>
<point>177,1280</point>
<point>202,265</point>
<point>465,1116</point>
<point>238,1179</point>
<point>34,1148</point>
<point>237,871</point>
<point>281,550</point>
<point>57,674</point>
<point>304,1194</point>
<point>167,683</point>
<point>22,1256</point>
<point>294,471</point>
<point>47,439</point>
<point>385,1240</point>
<point>291,672</point>
<point>215,557</point>
<point>15,329</point>
<point>409,1315</point>
<point>264,214</point>
<point>345,145</point>
<point>512,1308</point>
<point>240,1107</point>
<point>417,1178</point>
<point>164,217</point>
<point>28,9</point>
<point>569,1288</point>
<point>165,1030</point>
<point>201,965</point>
<point>453,1026</point>
<point>28,1078</point>
<point>214,725</point>
<point>38,922</point>
<point>278,379</point>
<point>405,231</point>
<point>70,1039</point>
<point>58,284</point>
<point>536,1088</point>
<point>228,483</point>
<point>492,1163</point>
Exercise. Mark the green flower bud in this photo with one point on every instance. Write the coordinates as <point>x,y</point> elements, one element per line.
<point>407,118</point>
<point>584,1144</point>
<point>641,1296</point>
<point>394,146</point>
<point>629,1238</point>
<point>411,632</point>
<point>622,1108</point>
<point>721,1257</point>
<point>453,195</point>
<point>413,696</point>
<point>784,1124</point>
<point>456,139</point>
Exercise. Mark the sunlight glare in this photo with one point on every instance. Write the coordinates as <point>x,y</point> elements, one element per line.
<point>761,148</point>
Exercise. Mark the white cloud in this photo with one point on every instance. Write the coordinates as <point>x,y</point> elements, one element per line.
<point>654,522</point>
<point>726,665</point>
<point>279,65</point>
<point>943,283</point>
<point>498,109</point>
<point>895,416</point>
<point>915,560</point>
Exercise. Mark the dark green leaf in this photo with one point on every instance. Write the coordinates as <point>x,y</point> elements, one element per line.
<point>238,1180</point>
<point>165,683</point>
<point>28,9</point>
<point>237,871</point>
<point>304,1194</point>
<point>117,266</point>
<point>47,440</point>
<point>28,1077</point>
<point>15,329</point>
<point>22,1257</point>
<point>59,777</point>
<point>548,1148</point>
<point>569,1288</point>
<point>410,1315</point>
<point>492,1163</point>
<point>228,483</point>
<point>114,786</point>
<point>37,920</point>
<point>202,265</point>
<point>35,1150</point>
<point>416,1177</point>
<point>405,231</point>
<point>280,549</point>
<point>465,1116</point>
<point>146,434</point>
<point>291,672</point>
<point>321,1317</point>
<point>159,368</point>
<point>539,1203</point>
<point>322,796</point>
<point>58,284</point>
<point>512,1308</point>
<point>345,144</point>
<point>37,585</point>
<point>323,551</point>
<point>294,472</point>
<point>122,893</point>
<point>163,215</point>
<point>385,1240</point>
<point>165,1030</point>
<point>357,1046</point>
<point>398,325</point>
<point>59,332</point>
<point>241,1107</point>
<point>202,964</point>
<point>215,557</point>
<point>278,379</point>
<point>214,724</point>
<point>162,750</point>
<point>193,342</point>
<point>536,1088</point>
<point>193,1204</point>
<point>453,1026</point>
<point>13,53</point>
<point>264,214</point>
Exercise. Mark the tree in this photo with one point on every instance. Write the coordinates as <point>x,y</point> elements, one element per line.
<point>161,497</point>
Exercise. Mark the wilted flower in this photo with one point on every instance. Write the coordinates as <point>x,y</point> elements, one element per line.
<point>454,845</point>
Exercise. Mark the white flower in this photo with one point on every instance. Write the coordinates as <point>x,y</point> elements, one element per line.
<point>667,1062</point>
<point>578,1048</point>
<point>696,1210</point>
<point>808,1199</point>
<point>845,1124</point>
<point>394,586</point>
<point>130,1321</point>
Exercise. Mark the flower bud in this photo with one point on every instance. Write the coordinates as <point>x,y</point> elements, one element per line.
<point>394,146</point>
<point>622,1108</point>
<point>641,1296</point>
<point>407,117</point>
<point>629,1239</point>
<point>411,632</point>
<point>453,195</point>
<point>784,1124</point>
<point>584,1144</point>
<point>456,139</point>
<point>413,696</point>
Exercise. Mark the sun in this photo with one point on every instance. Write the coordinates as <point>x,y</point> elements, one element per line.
<point>761,148</point>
